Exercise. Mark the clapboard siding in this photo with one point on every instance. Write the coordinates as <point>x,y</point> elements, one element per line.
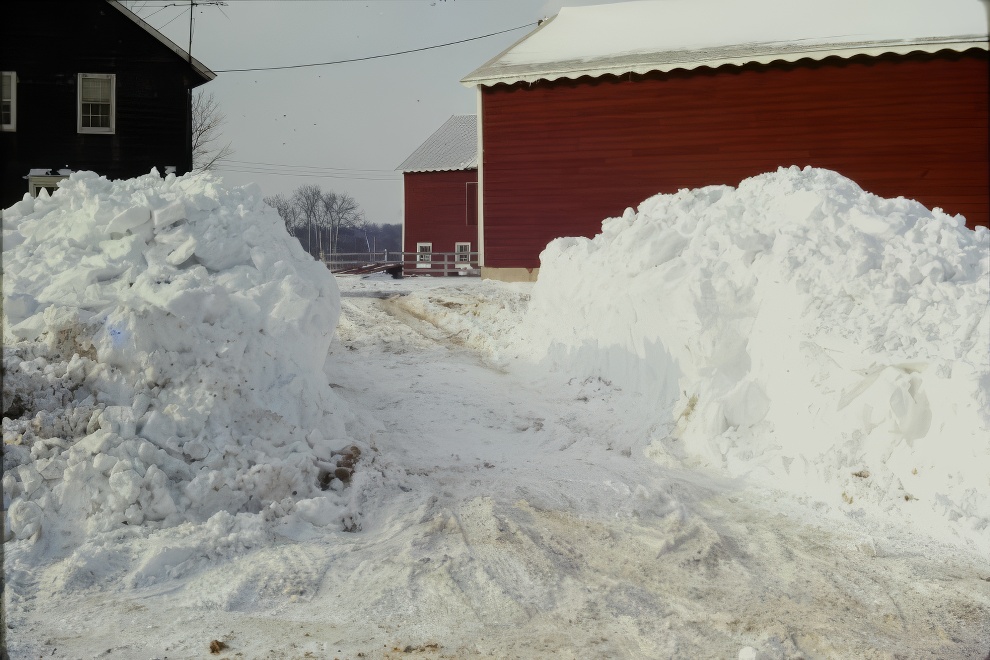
<point>436,209</point>
<point>561,156</point>
<point>47,44</point>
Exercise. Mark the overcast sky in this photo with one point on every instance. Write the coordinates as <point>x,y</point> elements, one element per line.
<point>352,124</point>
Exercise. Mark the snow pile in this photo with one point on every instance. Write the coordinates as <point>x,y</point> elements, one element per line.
<point>796,330</point>
<point>164,350</point>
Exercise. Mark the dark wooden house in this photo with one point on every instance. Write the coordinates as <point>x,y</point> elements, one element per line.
<point>440,182</point>
<point>88,85</point>
<point>604,106</point>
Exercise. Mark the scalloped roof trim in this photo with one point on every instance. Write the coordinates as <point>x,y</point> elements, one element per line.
<point>665,61</point>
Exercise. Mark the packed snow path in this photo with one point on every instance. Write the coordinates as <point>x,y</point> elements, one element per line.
<point>538,529</point>
<point>509,515</point>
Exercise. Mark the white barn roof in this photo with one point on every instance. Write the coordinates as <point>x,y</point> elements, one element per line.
<point>453,147</point>
<point>661,35</point>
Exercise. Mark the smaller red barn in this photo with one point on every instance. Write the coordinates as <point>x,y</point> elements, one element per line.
<point>440,179</point>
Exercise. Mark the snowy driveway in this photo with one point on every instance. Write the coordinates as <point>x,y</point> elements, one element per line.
<point>508,513</point>
<point>529,523</point>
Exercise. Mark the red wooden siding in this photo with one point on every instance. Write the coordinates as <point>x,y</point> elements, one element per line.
<point>435,205</point>
<point>561,156</point>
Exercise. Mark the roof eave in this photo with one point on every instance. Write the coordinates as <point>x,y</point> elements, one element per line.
<point>672,60</point>
<point>196,65</point>
<point>542,24</point>
<point>464,168</point>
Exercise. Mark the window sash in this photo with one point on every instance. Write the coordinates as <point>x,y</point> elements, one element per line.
<point>95,90</point>
<point>96,102</point>
<point>8,100</point>
<point>96,115</point>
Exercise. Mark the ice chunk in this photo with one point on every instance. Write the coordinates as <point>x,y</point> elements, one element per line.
<point>169,215</point>
<point>25,518</point>
<point>129,219</point>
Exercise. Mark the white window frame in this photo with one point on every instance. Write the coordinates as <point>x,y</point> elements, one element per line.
<point>424,258</point>
<point>37,182</point>
<point>460,255</point>
<point>113,103</point>
<point>12,125</point>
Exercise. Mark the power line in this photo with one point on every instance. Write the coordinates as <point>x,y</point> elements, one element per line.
<point>157,11</point>
<point>374,57</point>
<point>243,163</point>
<point>176,16</point>
<point>376,175</point>
<point>221,168</point>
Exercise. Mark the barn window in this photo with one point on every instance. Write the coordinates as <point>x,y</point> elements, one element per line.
<point>96,102</point>
<point>8,101</point>
<point>424,255</point>
<point>462,252</point>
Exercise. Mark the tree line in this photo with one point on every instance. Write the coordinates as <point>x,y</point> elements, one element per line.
<point>323,221</point>
<point>326,222</point>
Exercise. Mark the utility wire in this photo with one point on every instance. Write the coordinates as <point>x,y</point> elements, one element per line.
<point>339,175</point>
<point>305,174</point>
<point>181,13</point>
<point>145,18</point>
<point>374,57</point>
<point>250,163</point>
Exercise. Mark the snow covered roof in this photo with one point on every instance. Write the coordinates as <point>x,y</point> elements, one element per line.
<point>197,66</point>
<point>41,171</point>
<point>661,35</point>
<point>453,147</point>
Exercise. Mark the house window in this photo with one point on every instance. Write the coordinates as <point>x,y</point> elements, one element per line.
<point>462,252</point>
<point>49,182</point>
<point>96,102</point>
<point>8,101</point>
<point>424,255</point>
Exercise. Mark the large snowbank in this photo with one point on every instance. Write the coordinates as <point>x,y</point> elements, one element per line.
<point>164,348</point>
<point>795,330</point>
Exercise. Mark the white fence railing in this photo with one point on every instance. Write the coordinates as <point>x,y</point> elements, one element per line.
<point>408,263</point>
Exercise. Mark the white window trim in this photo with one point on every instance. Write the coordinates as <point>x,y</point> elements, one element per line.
<point>424,258</point>
<point>37,182</point>
<point>12,126</point>
<point>113,103</point>
<point>462,257</point>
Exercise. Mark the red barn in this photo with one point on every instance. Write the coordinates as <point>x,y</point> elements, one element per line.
<point>440,180</point>
<point>603,106</point>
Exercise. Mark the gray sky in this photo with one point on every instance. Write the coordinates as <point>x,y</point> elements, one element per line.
<point>352,122</point>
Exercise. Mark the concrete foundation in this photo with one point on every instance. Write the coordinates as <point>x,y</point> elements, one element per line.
<point>510,274</point>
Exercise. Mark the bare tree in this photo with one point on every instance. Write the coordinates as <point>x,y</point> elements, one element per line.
<point>308,200</point>
<point>320,219</point>
<point>207,125</point>
<point>286,209</point>
<point>365,227</point>
<point>341,211</point>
